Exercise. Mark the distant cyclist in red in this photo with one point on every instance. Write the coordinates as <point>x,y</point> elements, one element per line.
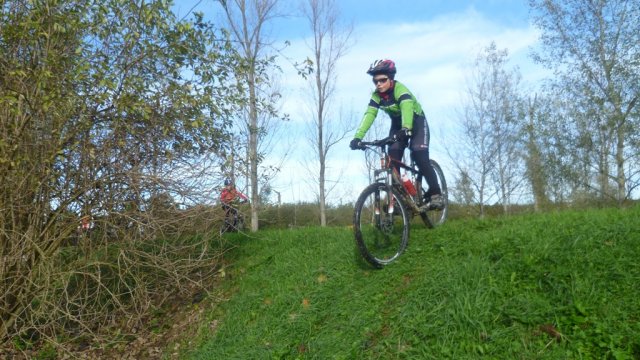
<point>228,197</point>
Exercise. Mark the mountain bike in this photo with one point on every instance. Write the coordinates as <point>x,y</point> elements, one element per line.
<point>233,220</point>
<point>384,209</point>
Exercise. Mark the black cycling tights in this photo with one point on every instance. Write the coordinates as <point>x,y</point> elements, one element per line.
<point>421,157</point>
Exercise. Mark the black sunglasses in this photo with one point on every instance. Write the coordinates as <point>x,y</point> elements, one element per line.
<point>380,81</point>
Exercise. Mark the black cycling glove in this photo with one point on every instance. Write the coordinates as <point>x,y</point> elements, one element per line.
<point>402,134</point>
<point>355,144</point>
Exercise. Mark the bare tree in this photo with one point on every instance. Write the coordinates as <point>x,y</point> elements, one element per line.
<point>330,43</point>
<point>237,164</point>
<point>489,126</point>
<point>247,20</point>
<point>464,193</point>
<point>593,48</point>
<point>473,158</point>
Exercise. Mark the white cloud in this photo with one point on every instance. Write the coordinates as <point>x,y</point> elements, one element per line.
<point>433,59</point>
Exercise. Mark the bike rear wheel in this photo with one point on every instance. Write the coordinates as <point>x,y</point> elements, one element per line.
<point>233,222</point>
<point>434,217</point>
<point>381,225</point>
<point>224,227</point>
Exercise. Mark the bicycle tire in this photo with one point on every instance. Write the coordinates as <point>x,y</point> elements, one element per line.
<point>239,222</point>
<point>434,217</point>
<point>224,228</point>
<point>234,224</point>
<point>381,236</point>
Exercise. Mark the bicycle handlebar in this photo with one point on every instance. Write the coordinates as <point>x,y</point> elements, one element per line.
<point>379,143</point>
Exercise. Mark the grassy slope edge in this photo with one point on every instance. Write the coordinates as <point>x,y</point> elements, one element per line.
<point>546,286</point>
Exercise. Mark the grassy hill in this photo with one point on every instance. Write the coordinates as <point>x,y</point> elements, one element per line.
<point>547,286</point>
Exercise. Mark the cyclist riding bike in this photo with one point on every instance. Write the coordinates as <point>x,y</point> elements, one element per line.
<point>408,125</point>
<point>229,196</point>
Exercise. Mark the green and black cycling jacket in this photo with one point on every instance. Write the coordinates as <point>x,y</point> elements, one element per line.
<point>398,102</point>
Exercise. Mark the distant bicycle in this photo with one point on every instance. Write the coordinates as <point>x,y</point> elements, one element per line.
<point>384,209</point>
<point>233,220</point>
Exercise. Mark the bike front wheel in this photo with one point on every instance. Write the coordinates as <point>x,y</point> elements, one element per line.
<point>381,225</point>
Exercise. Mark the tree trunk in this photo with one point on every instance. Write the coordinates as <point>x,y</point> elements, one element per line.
<point>253,150</point>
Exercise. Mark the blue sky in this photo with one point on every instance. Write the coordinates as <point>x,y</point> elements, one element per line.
<point>433,44</point>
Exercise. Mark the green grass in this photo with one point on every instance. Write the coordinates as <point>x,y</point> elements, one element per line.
<point>551,286</point>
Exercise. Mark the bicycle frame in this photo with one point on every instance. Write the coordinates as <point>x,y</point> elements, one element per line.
<point>391,178</point>
<point>233,220</point>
